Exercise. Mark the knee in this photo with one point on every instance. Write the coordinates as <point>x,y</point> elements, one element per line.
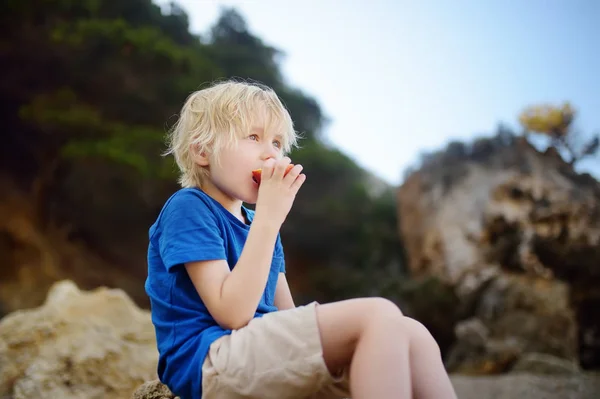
<point>419,335</point>
<point>384,314</point>
<point>382,310</point>
<point>384,305</point>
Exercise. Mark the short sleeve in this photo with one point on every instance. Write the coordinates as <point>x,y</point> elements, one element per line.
<point>188,232</point>
<point>279,255</point>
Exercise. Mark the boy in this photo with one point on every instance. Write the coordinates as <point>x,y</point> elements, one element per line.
<point>226,324</point>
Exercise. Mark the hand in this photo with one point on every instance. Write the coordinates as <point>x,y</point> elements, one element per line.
<point>278,190</point>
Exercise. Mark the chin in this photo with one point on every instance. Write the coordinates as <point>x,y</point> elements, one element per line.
<point>250,196</point>
<point>250,199</point>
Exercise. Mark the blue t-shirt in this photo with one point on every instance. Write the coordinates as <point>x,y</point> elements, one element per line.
<point>192,226</point>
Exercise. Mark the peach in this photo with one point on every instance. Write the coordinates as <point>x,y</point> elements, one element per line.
<point>256,174</point>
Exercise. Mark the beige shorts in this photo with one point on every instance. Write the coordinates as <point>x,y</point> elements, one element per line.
<point>276,356</point>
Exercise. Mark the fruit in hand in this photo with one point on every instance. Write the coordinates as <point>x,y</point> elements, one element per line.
<point>256,173</point>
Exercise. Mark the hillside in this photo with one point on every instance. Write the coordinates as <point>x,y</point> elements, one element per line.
<point>89,92</point>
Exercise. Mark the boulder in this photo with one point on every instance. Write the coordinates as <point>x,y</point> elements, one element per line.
<point>516,233</point>
<point>77,345</point>
<point>98,344</point>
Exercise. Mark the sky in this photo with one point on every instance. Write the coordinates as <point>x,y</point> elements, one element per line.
<point>398,78</point>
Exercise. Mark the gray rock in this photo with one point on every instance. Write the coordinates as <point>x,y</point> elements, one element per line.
<point>153,390</point>
<point>541,363</point>
<point>527,386</point>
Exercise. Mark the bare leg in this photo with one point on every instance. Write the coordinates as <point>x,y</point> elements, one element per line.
<point>429,377</point>
<point>390,355</point>
<point>367,334</point>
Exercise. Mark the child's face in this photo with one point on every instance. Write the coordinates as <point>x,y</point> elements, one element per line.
<point>233,175</point>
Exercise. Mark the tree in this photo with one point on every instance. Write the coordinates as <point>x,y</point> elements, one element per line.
<point>243,55</point>
<point>556,123</point>
<point>89,89</point>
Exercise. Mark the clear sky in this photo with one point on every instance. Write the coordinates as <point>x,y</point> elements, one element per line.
<point>398,77</point>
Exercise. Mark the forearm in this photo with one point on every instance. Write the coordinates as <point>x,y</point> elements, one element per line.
<point>243,288</point>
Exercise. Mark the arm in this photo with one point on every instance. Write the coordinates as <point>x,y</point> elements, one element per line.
<point>233,296</point>
<point>283,296</point>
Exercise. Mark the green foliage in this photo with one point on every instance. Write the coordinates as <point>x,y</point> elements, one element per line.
<point>241,54</point>
<point>93,86</point>
<point>340,223</point>
<point>556,124</point>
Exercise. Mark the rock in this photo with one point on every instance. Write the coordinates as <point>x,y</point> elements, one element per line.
<point>526,385</point>
<point>153,390</point>
<point>541,363</point>
<point>98,344</point>
<point>521,385</point>
<point>517,234</point>
<point>515,315</point>
<point>473,332</point>
<point>475,354</point>
<point>94,344</point>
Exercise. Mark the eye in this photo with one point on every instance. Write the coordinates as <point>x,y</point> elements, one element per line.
<point>277,143</point>
<point>253,137</point>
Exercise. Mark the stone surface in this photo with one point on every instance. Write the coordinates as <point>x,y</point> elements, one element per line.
<point>97,344</point>
<point>511,386</point>
<point>540,363</point>
<point>516,232</point>
<point>153,390</point>
<point>94,344</point>
<point>521,385</point>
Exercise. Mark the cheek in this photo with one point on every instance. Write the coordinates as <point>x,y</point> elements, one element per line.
<point>234,168</point>
<point>238,161</point>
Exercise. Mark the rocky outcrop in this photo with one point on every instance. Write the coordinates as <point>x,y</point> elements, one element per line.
<point>98,344</point>
<point>86,345</point>
<point>512,316</point>
<point>516,232</point>
<point>511,386</point>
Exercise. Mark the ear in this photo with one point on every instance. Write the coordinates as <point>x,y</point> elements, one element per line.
<point>200,156</point>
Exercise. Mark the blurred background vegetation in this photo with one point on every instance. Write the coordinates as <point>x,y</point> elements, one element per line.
<point>89,88</point>
<point>85,117</point>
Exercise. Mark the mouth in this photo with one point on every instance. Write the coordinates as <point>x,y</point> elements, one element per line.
<point>256,174</point>
<point>256,178</point>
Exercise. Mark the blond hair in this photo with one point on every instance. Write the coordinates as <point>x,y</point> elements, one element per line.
<point>217,116</point>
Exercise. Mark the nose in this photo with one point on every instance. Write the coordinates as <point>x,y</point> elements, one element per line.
<point>269,151</point>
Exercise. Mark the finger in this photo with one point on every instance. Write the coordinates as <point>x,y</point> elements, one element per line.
<point>291,176</point>
<point>267,169</point>
<point>298,183</point>
<point>280,167</point>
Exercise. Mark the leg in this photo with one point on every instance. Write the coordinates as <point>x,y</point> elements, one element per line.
<point>389,355</point>
<point>366,336</point>
<point>276,356</point>
<point>429,377</point>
